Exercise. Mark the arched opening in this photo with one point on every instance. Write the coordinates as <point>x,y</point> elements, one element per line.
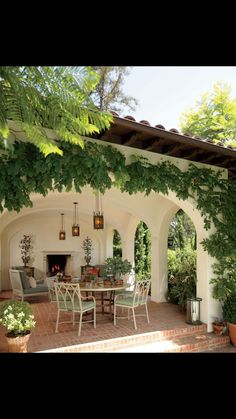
<point>142,251</point>
<point>117,245</point>
<point>182,259</point>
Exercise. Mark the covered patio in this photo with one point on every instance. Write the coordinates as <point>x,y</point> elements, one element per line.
<point>122,211</point>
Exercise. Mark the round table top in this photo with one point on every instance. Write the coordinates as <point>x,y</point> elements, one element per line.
<point>86,286</point>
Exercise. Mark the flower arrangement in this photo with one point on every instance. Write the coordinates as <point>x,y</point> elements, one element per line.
<point>17,317</point>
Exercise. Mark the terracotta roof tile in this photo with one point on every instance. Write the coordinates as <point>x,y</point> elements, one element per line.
<point>159,126</point>
<point>144,122</point>
<point>130,117</point>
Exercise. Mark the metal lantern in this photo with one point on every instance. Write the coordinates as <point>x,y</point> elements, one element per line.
<point>62,233</point>
<point>98,219</point>
<point>75,226</point>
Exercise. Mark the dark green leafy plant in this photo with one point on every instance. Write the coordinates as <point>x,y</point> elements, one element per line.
<point>117,266</point>
<point>229,309</point>
<point>181,276</point>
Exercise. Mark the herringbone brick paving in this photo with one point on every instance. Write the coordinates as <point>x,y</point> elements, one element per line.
<point>165,319</point>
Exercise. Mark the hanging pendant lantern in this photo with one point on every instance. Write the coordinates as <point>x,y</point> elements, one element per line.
<point>98,220</point>
<point>75,227</point>
<point>62,233</point>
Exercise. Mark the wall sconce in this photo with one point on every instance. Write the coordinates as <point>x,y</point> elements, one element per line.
<point>75,227</point>
<point>62,233</point>
<point>98,220</point>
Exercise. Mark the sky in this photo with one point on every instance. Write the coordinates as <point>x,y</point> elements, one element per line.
<point>164,93</point>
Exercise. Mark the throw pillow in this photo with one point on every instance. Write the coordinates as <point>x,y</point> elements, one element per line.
<point>24,280</point>
<point>32,282</point>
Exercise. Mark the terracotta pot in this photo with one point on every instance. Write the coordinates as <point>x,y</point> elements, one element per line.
<point>232,333</point>
<point>18,343</point>
<point>218,328</point>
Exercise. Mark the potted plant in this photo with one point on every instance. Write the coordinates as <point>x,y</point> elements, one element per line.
<point>229,313</point>
<point>87,246</point>
<point>118,267</point>
<point>219,327</point>
<point>224,290</point>
<point>26,249</point>
<point>18,319</point>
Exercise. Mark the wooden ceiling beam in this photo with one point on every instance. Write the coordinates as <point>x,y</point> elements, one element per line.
<point>130,138</point>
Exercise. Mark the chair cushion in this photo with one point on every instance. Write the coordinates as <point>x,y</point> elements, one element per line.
<point>24,280</point>
<point>35,290</point>
<point>32,282</point>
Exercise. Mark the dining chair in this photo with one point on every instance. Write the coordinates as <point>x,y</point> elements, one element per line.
<point>133,300</point>
<point>51,292</point>
<point>69,299</point>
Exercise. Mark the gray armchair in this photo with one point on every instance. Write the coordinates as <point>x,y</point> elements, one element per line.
<point>21,287</point>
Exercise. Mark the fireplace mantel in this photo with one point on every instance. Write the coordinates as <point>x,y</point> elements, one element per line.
<point>59,252</point>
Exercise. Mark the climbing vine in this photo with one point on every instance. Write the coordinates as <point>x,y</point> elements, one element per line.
<point>28,171</point>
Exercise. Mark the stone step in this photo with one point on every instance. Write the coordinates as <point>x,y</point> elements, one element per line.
<point>164,339</point>
<point>198,342</point>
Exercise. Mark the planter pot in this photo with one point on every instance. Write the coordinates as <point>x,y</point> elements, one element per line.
<point>232,333</point>
<point>18,343</point>
<point>218,329</point>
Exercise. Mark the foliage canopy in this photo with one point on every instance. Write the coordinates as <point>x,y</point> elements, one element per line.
<point>108,93</point>
<point>42,98</point>
<point>214,116</point>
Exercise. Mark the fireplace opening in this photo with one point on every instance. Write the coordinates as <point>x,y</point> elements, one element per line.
<point>58,263</point>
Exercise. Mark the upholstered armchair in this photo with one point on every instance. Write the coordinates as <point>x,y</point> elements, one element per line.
<point>23,287</point>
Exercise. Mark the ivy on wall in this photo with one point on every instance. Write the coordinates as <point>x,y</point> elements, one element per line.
<point>28,171</point>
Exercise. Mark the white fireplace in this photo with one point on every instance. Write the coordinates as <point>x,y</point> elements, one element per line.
<point>54,261</point>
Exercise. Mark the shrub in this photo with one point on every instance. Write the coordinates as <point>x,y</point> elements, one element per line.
<point>181,275</point>
<point>229,309</point>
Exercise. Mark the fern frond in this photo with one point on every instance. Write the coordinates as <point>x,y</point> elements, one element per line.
<point>50,97</point>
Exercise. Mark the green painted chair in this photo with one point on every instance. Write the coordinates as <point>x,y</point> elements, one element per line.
<point>133,300</point>
<point>69,299</point>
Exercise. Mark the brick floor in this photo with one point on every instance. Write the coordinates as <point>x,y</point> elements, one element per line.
<point>166,321</point>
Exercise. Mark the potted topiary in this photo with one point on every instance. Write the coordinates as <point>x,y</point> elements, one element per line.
<point>87,246</point>
<point>18,319</point>
<point>26,249</point>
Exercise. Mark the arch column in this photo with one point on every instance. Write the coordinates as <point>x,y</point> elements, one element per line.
<point>159,269</point>
<point>128,249</point>
<point>109,244</point>
<point>209,307</point>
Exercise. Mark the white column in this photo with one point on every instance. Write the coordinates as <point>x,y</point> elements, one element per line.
<point>128,248</point>
<point>209,307</point>
<point>108,244</point>
<point>159,269</point>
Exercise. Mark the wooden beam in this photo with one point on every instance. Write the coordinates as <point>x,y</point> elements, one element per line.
<point>130,138</point>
